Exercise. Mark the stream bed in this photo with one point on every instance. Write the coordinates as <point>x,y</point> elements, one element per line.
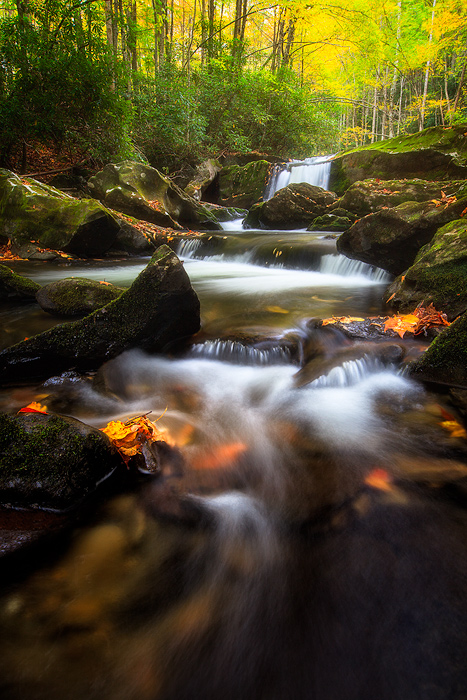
<point>310,548</point>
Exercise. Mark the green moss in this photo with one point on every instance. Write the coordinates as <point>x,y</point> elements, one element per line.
<point>446,358</point>
<point>15,285</point>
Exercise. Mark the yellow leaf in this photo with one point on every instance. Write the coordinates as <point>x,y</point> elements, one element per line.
<point>276,310</point>
<point>341,319</point>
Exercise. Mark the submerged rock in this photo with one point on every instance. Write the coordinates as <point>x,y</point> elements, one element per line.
<point>75,296</point>
<point>31,210</point>
<point>143,192</point>
<point>17,287</point>
<point>157,311</point>
<point>438,275</point>
<point>51,461</point>
<point>293,206</point>
<point>391,238</point>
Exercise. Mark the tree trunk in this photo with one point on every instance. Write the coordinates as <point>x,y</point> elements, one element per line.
<point>427,70</point>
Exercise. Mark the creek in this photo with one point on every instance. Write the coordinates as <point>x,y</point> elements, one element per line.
<point>309,549</point>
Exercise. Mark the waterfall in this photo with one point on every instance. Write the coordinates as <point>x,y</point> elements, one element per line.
<point>237,353</point>
<point>314,171</point>
<point>346,267</point>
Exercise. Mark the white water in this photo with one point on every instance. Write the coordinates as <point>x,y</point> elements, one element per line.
<point>314,171</point>
<point>234,351</point>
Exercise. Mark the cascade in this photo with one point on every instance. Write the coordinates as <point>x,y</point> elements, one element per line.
<point>314,171</point>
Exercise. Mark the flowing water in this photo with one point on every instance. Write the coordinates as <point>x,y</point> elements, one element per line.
<point>305,548</point>
<point>315,171</point>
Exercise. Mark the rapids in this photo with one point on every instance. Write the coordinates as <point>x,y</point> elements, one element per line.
<point>307,548</point>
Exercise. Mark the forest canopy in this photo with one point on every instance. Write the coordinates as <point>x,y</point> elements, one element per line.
<point>159,80</point>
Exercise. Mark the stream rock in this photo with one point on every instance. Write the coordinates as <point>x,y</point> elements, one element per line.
<point>368,196</point>
<point>438,275</point>
<point>242,185</point>
<point>437,153</point>
<point>143,192</point>
<point>294,206</point>
<point>205,174</point>
<point>16,287</point>
<point>445,361</point>
<point>75,296</point>
<point>51,461</point>
<point>33,212</point>
<point>159,310</point>
<point>391,238</point>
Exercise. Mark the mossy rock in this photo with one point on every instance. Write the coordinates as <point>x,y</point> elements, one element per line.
<point>329,222</point>
<point>50,461</point>
<point>294,206</point>
<point>445,361</point>
<point>243,185</point>
<point>33,212</point>
<point>143,192</point>
<point>16,287</point>
<point>391,238</point>
<point>206,172</point>
<point>437,153</point>
<point>75,296</point>
<point>438,275</point>
<point>159,310</point>
<point>369,196</point>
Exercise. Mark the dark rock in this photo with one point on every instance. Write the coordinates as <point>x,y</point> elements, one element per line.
<point>391,238</point>
<point>438,275</point>
<point>205,174</point>
<point>445,361</point>
<point>133,240</point>
<point>330,222</point>
<point>29,251</point>
<point>293,206</point>
<point>51,461</point>
<point>17,287</point>
<point>437,153</point>
<point>31,210</point>
<point>157,311</point>
<point>242,186</point>
<point>143,192</point>
<point>75,296</point>
<point>369,196</point>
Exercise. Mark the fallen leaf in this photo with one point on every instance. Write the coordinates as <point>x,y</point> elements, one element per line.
<point>33,407</point>
<point>379,479</point>
<point>455,428</point>
<point>401,324</point>
<point>341,319</point>
<point>276,310</point>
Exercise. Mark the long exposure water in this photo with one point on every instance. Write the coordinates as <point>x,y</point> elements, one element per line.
<point>306,547</point>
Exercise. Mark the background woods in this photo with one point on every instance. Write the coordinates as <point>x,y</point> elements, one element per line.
<point>180,79</point>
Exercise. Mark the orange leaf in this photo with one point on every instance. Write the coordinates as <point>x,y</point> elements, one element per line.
<point>379,479</point>
<point>455,428</point>
<point>341,319</point>
<point>33,407</point>
<point>401,324</point>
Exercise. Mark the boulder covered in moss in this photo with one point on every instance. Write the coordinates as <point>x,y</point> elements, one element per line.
<point>143,192</point>
<point>437,153</point>
<point>33,212</point>
<point>242,185</point>
<point>331,223</point>
<point>445,361</point>
<point>438,275</point>
<point>294,206</point>
<point>50,461</point>
<point>368,196</point>
<point>391,238</point>
<point>16,287</point>
<point>75,296</point>
<point>156,313</point>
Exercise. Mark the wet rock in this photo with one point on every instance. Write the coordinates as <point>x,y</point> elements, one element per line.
<point>133,240</point>
<point>391,238</point>
<point>75,296</point>
<point>330,222</point>
<point>29,251</point>
<point>293,206</point>
<point>50,461</point>
<point>437,276</point>
<point>242,185</point>
<point>437,153</point>
<point>205,174</point>
<point>143,192</point>
<point>445,361</point>
<point>31,210</point>
<point>369,196</point>
<point>159,310</point>
<point>17,287</point>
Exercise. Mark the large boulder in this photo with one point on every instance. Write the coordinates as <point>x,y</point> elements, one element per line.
<point>445,361</point>
<point>369,196</point>
<point>75,296</point>
<point>32,211</point>
<point>437,153</point>
<point>16,287</point>
<point>205,175</point>
<point>157,311</point>
<point>143,192</point>
<point>391,238</point>
<point>438,275</point>
<point>293,206</point>
<point>242,185</point>
<point>51,461</point>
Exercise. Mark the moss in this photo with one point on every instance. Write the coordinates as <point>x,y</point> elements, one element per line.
<point>243,186</point>
<point>75,296</point>
<point>13,285</point>
<point>446,359</point>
